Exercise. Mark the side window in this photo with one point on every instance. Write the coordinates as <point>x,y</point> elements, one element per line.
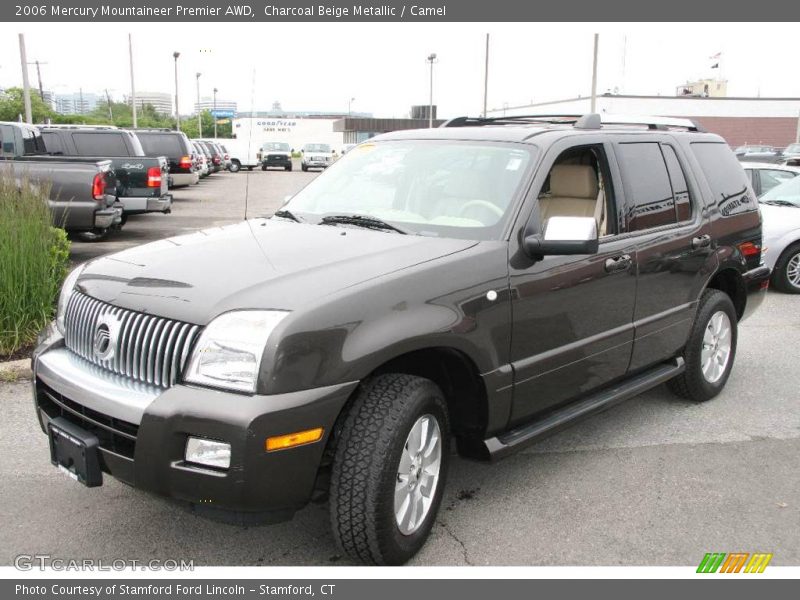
<point>52,142</point>
<point>31,144</point>
<point>769,178</point>
<point>579,185</point>
<point>680,189</point>
<point>725,177</point>
<point>650,202</point>
<point>99,144</point>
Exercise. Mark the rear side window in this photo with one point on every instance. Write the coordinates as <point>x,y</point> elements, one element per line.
<point>99,144</point>
<point>161,144</point>
<point>680,189</point>
<point>52,141</point>
<point>650,202</point>
<point>725,177</point>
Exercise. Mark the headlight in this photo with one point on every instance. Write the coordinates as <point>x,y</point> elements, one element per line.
<point>66,294</point>
<point>228,352</point>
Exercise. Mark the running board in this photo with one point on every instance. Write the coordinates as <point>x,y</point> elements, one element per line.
<point>514,439</point>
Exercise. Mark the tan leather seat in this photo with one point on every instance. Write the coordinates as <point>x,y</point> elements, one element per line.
<point>573,193</point>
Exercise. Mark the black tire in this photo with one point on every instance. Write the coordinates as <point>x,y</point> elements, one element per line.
<point>249,168</point>
<point>692,384</point>
<point>304,167</point>
<point>288,167</point>
<point>95,235</point>
<point>235,166</point>
<point>263,167</point>
<point>365,467</point>
<point>780,275</point>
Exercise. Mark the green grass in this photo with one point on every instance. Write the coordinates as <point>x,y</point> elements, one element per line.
<point>33,261</point>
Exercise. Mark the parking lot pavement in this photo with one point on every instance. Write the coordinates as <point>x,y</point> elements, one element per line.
<point>217,200</point>
<point>654,481</point>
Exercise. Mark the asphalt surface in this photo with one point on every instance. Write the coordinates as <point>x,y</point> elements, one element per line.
<point>655,481</point>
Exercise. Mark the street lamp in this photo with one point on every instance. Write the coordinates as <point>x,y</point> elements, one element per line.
<point>431,59</point>
<point>214,114</point>
<point>349,102</point>
<point>199,120</point>
<point>175,55</point>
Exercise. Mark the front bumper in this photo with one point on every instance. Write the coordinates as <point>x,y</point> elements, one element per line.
<point>134,205</point>
<point>277,161</point>
<point>317,164</point>
<point>143,432</point>
<point>756,282</point>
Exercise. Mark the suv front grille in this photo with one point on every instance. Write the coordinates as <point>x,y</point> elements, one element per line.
<point>144,347</point>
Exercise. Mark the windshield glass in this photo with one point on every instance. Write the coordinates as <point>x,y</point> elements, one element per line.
<point>789,191</point>
<point>280,146</point>
<point>317,148</point>
<point>438,188</point>
<point>793,148</point>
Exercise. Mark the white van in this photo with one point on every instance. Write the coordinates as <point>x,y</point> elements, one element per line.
<point>243,154</point>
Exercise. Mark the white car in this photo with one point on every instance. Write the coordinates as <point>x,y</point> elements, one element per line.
<point>780,213</point>
<point>765,176</point>
<point>202,160</point>
<point>316,156</point>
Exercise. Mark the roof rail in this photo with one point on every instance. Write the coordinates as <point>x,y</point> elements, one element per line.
<point>76,126</point>
<point>587,121</point>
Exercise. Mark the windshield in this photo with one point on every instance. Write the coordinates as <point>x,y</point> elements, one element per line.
<point>788,191</point>
<point>317,148</point>
<point>278,146</point>
<point>792,149</point>
<point>438,188</point>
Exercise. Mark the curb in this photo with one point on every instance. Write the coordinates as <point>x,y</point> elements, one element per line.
<point>15,370</point>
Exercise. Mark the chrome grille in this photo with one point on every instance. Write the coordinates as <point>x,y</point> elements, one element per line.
<point>147,348</point>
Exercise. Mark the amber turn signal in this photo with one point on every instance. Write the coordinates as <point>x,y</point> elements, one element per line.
<point>290,440</point>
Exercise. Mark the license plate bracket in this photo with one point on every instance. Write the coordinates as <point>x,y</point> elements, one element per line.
<point>75,451</point>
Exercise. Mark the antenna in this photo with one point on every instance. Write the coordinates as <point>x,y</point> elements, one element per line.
<point>249,141</point>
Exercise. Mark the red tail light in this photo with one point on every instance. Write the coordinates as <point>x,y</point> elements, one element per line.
<point>227,156</point>
<point>749,249</point>
<point>154,177</point>
<point>185,162</point>
<point>216,159</point>
<point>99,186</point>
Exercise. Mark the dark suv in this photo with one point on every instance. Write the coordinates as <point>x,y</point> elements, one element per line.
<point>487,282</point>
<point>178,150</point>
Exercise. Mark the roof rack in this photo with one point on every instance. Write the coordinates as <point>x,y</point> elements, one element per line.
<point>77,126</point>
<point>587,121</point>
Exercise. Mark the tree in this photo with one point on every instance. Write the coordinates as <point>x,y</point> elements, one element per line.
<point>12,105</point>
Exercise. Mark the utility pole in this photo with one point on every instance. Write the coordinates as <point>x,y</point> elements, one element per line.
<point>594,73</point>
<point>26,86</point>
<point>797,137</point>
<point>39,77</point>
<point>80,91</point>
<point>175,55</point>
<point>486,78</point>
<point>110,113</point>
<point>199,120</point>
<point>431,59</point>
<point>133,87</point>
<point>215,113</point>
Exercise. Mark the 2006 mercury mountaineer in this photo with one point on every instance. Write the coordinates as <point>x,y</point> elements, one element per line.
<point>487,283</point>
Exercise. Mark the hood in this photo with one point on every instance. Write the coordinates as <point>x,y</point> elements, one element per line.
<point>777,220</point>
<point>261,263</point>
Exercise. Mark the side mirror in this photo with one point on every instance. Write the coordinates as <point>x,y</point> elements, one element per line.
<point>563,236</point>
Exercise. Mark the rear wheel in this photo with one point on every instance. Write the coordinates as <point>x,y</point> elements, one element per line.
<point>249,168</point>
<point>389,469</point>
<point>786,275</point>
<point>95,235</point>
<point>710,350</point>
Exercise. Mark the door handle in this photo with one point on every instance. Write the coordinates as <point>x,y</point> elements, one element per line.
<point>703,241</point>
<point>618,263</point>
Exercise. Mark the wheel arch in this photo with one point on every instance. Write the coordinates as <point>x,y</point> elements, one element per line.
<point>729,280</point>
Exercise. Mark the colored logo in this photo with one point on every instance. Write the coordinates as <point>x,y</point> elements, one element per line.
<point>734,562</point>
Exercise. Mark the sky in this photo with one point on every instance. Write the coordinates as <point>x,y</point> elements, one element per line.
<point>321,66</point>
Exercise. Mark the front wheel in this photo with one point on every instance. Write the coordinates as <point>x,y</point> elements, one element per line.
<point>288,167</point>
<point>234,166</point>
<point>263,167</point>
<point>389,469</point>
<point>786,275</point>
<point>710,349</point>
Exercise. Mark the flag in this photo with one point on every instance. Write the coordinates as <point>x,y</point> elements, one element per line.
<point>715,66</point>
<point>716,56</point>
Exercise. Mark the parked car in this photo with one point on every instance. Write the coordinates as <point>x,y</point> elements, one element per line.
<point>224,154</point>
<point>790,153</point>
<point>780,210</point>
<point>142,181</point>
<point>765,176</point>
<point>83,196</point>
<point>758,153</point>
<point>275,154</point>
<point>487,282</point>
<point>178,150</point>
<point>213,154</point>
<point>202,159</point>
<point>316,156</point>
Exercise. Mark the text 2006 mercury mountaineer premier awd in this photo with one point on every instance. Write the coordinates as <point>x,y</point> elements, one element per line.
<point>487,282</point>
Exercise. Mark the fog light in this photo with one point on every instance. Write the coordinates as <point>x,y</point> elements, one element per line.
<point>208,452</point>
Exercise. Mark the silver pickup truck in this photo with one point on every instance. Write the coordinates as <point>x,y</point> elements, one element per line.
<point>83,197</point>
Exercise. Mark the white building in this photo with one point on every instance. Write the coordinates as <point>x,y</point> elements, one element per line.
<point>210,104</point>
<point>160,101</point>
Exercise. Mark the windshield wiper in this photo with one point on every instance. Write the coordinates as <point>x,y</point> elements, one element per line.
<point>287,214</point>
<point>780,203</point>
<point>362,221</point>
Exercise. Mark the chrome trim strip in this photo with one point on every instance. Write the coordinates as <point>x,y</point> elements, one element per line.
<point>95,387</point>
